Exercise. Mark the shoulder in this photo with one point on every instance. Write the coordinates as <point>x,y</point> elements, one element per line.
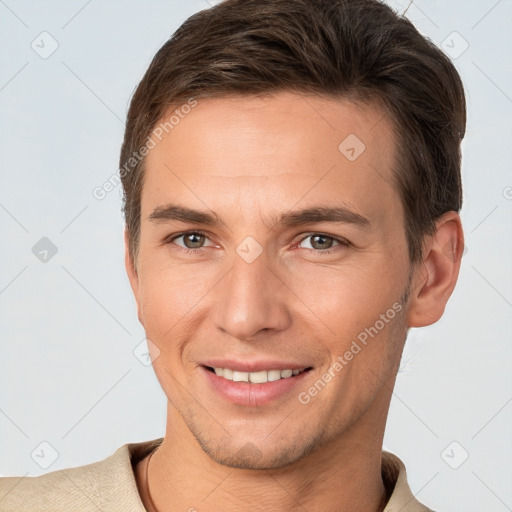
<point>105,485</point>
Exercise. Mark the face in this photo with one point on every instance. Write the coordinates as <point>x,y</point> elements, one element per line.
<point>272,239</point>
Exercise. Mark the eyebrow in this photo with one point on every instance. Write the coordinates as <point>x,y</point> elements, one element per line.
<point>337,214</point>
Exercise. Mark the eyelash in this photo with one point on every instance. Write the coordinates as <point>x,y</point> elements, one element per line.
<point>341,241</point>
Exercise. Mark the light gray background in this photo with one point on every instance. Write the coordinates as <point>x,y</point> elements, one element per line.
<point>68,373</point>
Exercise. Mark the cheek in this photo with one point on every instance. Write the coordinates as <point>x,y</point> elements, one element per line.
<point>168,312</point>
<point>170,295</point>
<point>162,306</point>
<point>349,298</point>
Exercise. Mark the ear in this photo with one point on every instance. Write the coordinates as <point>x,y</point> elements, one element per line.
<point>435,278</point>
<point>132,274</point>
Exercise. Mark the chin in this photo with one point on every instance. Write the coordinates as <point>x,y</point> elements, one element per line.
<point>264,454</point>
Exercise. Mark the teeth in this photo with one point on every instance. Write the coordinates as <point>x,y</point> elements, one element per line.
<point>273,375</point>
<point>258,377</point>
<point>240,377</point>
<point>255,377</point>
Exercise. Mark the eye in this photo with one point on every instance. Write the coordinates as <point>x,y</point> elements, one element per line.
<point>321,242</point>
<point>192,240</point>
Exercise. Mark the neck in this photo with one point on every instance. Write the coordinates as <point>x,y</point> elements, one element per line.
<point>342,475</point>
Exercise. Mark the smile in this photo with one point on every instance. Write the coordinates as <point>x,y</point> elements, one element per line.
<point>260,377</point>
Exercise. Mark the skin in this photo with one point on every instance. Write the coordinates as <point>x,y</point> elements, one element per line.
<point>249,159</point>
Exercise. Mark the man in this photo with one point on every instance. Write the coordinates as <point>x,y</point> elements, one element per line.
<point>291,171</point>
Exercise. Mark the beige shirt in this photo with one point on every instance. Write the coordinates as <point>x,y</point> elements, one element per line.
<point>109,485</point>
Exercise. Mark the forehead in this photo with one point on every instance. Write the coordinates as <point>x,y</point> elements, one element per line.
<point>274,151</point>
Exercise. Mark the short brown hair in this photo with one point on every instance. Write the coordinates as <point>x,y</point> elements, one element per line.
<point>354,49</point>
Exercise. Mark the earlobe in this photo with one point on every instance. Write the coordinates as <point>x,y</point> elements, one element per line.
<point>436,277</point>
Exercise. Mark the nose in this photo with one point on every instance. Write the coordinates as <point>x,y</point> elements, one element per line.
<point>251,298</point>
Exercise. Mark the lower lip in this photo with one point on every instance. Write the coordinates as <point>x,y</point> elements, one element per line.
<point>249,394</point>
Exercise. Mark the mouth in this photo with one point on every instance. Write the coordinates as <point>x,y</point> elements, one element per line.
<point>259,377</point>
<point>254,388</point>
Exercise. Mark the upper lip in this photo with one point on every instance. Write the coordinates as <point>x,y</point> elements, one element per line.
<point>254,366</point>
